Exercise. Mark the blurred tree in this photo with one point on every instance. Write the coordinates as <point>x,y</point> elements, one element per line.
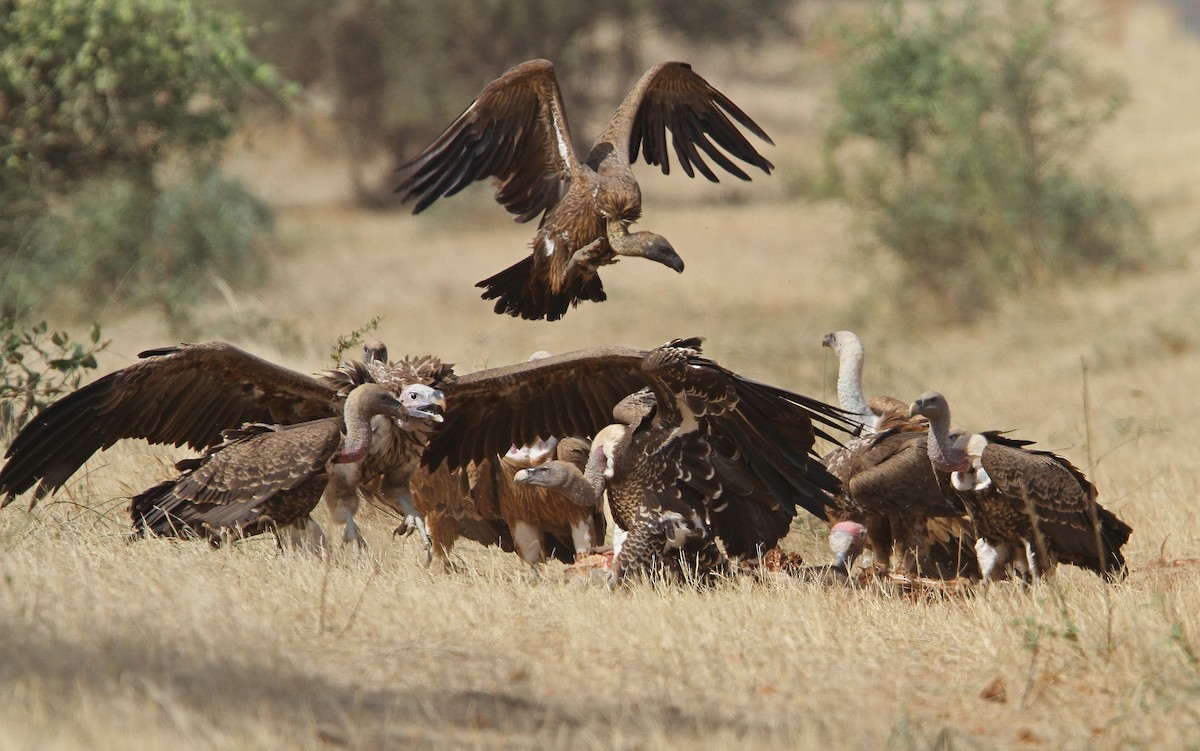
<point>975,117</point>
<point>94,94</point>
<point>399,71</point>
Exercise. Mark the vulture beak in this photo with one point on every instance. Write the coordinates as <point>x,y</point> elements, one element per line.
<point>661,251</point>
<point>828,340</point>
<point>914,409</point>
<point>523,477</point>
<point>423,402</point>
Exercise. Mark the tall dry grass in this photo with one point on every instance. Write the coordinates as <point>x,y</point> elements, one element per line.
<point>166,645</point>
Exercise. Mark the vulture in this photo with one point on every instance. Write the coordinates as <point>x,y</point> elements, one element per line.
<point>264,477</point>
<point>189,394</point>
<point>688,451</point>
<point>516,132</point>
<point>1030,508</point>
<point>487,502</point>
<point>888,484</point>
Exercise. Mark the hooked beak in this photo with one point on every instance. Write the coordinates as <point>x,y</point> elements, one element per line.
<point>424,403</point>
<point>522,476</point>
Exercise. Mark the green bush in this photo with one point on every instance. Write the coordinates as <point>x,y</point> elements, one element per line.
<point>37,366</point>
<point>94,94</point>
<point>973,117</point>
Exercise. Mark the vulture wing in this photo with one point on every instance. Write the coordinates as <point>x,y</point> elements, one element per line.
<point>1065,502</point>
<point>671,96</point>
<point>893,475</point>
<point>568,394</point>
<point>258,469</point>
<point>516,132</point>
<point>175,395</point>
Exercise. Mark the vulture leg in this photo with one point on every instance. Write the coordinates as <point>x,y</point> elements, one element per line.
<point>879,535</point>
<point>585,255</point>
<point>341,497</point>
<point>395,494</point>
<point>443,531</point>
<point>993,559</point>
<point>304,534</point>
<point>528,539</point>
<point>581,536</point>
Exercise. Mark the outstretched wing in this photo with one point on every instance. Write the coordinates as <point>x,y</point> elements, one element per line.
<point>174,395</point>
<point>671,96</point>
<point>515,131</point>
<point>569,394</point>
<point>769,430</point>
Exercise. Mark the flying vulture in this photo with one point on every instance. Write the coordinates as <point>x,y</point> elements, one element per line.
<point>687,450</point>
<point>265,477</point>
<point>1030,508</point>
<point>487,502</point>
<point>887,481</point>
<point>189,394</point>
<point>516,132</point>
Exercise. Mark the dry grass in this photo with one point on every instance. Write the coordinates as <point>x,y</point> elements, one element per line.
<point>158,645</point>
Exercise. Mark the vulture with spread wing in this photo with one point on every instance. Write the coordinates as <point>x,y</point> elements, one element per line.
<point>1031,508</point>
<point>189,394</point>
<point>516,132</point>
<point>888,484</point>
<point>264,477</point>
<point>687,450</point>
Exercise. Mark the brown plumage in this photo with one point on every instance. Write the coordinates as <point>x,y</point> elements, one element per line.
<point>699,453</point>
<point>188,395</point>
<point>888,484</point>
<point>533,521</point>
<point>265,476</point>
<point>516,132</point>
<point>1030,508</point>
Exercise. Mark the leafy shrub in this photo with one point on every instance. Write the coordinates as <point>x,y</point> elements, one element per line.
<point>37,366</point>
<point>94,94</point>
<point>973,117</point>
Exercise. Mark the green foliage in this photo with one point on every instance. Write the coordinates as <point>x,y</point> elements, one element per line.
<point>353,339</point>
<point>94,94</point>
<point>37,366</point>
<point>973,117</point>
<point>121,240</point>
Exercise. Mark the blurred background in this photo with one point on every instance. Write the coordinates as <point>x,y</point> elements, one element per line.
<point>191,169</point>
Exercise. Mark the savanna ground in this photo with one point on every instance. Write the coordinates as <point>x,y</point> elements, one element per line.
<point>166,645</point>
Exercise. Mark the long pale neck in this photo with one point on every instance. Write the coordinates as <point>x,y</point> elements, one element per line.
<point>587,487</point>
<point>942,453</point>
<point>358,432</point>
<point>849,384</point>
<point>626,243</point>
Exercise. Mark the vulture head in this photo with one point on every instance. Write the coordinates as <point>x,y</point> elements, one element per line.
<point>422,405</point>
<point>547,475</point>
<point>656,248</point>
<point>645,244</point>
<point>847,540</point>
<point>933,405</point>
<point>374,350</point>
<point>946,454</point>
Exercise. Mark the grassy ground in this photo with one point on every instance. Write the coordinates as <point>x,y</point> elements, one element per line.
<point>156,645</point>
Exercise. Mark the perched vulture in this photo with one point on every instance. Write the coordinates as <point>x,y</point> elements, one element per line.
<point>516,132</point>
<point>687,450</point>
<point>189,394</point>
<point>887,481</point>
<point>1031,508</point>
<point>272,476</point>
<point>487,503</point>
